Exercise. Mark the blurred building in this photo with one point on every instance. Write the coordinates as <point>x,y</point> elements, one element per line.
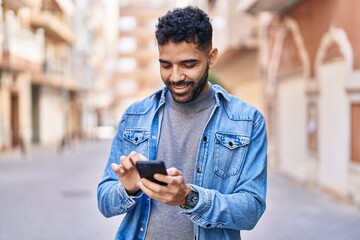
<point>236,35</point>
<point>96,26</point>
<point>55,69</point>
<point>137,72</point>
<point>35,79</point>
<point>298,62</point>
<point>137,66</point>
<point>16,61</point>
<point>310,61</point>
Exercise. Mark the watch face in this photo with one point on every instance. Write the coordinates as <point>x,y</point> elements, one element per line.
<point>192,199</point>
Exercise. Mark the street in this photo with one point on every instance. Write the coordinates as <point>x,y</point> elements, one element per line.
<point>51,195</point>
<point>48,195</point>
<point>297,213</point>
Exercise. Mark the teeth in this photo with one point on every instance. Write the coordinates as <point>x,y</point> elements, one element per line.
<point>180,86</point>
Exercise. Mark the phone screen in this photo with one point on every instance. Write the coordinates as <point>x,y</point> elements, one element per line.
<point>147,169</point>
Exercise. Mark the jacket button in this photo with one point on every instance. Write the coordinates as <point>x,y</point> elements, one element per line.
<point>141,229</point>
<point>199,170</point>
<point>208,225</point>
<point>205,138</point>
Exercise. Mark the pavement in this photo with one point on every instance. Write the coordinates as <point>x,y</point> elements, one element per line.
<point>49,194</point>
<point>52,195</point>
<point>295,212</point>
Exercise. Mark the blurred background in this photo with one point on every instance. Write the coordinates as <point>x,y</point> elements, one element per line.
<point>69,68</point>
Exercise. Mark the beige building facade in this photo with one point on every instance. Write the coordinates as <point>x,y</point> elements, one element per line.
<point>298,62</point>
<point>137,66</point>
<point>310,58</point>
<point>39,100</point>
<point>22,54</point>
<point>236,34</point>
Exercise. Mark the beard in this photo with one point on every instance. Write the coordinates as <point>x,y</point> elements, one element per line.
<point>195,90</point>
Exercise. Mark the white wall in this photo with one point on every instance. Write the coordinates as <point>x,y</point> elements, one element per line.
<point>291,127</point>
<point>334,126</point>
<point>52,116</point>
<point>23,81</point>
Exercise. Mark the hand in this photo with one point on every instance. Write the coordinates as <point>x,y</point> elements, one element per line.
<point>127,172</point>
<point>173,194</point>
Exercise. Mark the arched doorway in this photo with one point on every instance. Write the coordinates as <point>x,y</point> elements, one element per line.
<point>333,68</point>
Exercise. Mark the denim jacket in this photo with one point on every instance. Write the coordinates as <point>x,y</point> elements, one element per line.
<point>230,170</point>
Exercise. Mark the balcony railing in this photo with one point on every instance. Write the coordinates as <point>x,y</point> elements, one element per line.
<point>23,43</point>
<point>58,69</point>
<point>53,65</point>
<point>53,25</point>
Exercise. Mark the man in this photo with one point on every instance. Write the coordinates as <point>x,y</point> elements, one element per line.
<point>213,143</point>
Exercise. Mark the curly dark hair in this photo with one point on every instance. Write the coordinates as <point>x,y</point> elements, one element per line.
<point>189,24</point>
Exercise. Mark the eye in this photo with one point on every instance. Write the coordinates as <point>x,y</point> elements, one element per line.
<point>189,65</point>
<point>165,65</point>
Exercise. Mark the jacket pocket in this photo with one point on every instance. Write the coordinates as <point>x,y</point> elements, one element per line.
<point>230,149</point>
<point>136,140</point>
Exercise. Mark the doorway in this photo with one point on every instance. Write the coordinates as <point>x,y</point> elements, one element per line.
<point>35,108</point>
<point>14,119</point>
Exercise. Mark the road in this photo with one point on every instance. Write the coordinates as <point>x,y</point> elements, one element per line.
<point>298,213</point>
<point>48,195</point>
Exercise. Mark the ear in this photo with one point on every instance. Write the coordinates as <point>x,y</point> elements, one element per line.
<point>213,57</point>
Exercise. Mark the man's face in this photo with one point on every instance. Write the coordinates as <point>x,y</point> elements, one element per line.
<point>184,70</point>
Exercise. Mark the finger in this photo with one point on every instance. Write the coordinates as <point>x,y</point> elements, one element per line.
<point>171,180</point>
<point>160,193</point>
<point>154,187</point>
<point>135,156</point>
<point>154,191</point>
<point>173,171</point>
<point>122,158</point>
<point>123,164</point>
<point>162,178</point>
<point>126,163</point>
<point>145,189</point>
<point>117,169</point>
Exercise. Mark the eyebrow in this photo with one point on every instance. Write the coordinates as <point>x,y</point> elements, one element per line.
<point>183,61</point>
<point>163,61</point>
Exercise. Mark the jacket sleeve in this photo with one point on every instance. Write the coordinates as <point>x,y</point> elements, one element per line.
<point>242,209</point>
<point>112,197</point>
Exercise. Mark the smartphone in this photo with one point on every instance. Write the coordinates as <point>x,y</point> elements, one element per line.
<point>147,169</point>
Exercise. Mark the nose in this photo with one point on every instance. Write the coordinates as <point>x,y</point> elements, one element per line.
<point>177,75</point>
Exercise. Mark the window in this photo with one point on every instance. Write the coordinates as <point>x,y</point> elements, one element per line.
<point>127,23</point>
<point>126,65</point>
<point>127,45</point>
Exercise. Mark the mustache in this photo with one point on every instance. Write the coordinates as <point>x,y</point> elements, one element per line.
<point>179,83</point>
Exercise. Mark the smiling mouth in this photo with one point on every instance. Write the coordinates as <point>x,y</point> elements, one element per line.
<point>180,84</point>
<point>180,89</point>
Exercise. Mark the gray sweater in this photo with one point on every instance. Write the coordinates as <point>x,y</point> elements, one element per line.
<point>181,131</point>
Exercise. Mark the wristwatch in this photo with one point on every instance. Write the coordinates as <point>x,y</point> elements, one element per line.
<point>191,199</point>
